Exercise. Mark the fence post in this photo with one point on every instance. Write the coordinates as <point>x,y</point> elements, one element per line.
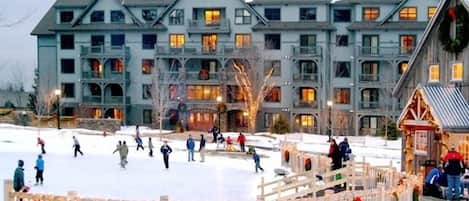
<point>7,187</point>
<point>262,188</point>
<point>382,192</point>
<point>164,198</point>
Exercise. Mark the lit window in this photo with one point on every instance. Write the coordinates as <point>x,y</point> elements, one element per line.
<point>342,95</point>
<point>209,43</point>
<point>434,71</point>
<point>457,72</point>
<point>370,14</point>
<point>403,67</point>
<point>307,120</point>
<point>407,43</point>
<point>243,40</point>
<point>431,12</point>
<point>198,92</point>
<point>176,40</point>
<point>212,17</point>
<point>408,13</point>
<point>274,95</point>
<point>308,95</point>
<point>147,66</point>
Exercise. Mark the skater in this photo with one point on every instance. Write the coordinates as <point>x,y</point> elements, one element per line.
<point>123,152</point>
<point>18,179</point>
<point>334,154</point>
<point>229,144</point>
<point>220,140</point>
<point>190,144</point>
<point>241,140</point>
<point>453,167</point>
<point>76,145</point>
<point>39,169</point>
<point>202,148</point>
<point>257,161</point>
<point>42,144</point>
<point>166,150</point>
<point>150,146</point>
<point>215,131</point>
<point>139,142</point>
<point>345,150</point>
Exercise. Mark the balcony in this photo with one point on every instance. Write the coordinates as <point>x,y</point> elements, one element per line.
<point>369,105</point>
<point>202,26</point>
<point>201,76</point>
<point>169,77</point>
<point>107,76</point>
<point>385,52</point>
<point>116,100</point>
<point>311,77</point>
<point>196,50</point>
<point>305,104</point>
<point>105,51</point>
<point>92,99</point>
<point>369,77</point>
<point>307,51</point>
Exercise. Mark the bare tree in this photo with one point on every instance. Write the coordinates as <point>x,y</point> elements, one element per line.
<point>44,104</point>
<point>253,83</point>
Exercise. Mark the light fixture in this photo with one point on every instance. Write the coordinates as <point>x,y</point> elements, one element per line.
<point>219,99</point>
<point>57,92</point>
<point>329,103</point>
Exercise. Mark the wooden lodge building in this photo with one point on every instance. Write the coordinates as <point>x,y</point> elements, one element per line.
<point>435,90</point>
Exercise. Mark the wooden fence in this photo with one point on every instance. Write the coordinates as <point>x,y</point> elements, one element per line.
<point>10,195</point>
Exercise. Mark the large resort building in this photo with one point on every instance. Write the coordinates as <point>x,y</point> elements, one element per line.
<point>105,54</point>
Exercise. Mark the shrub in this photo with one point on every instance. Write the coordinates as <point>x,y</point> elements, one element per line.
<point>281,126</point>
<point>393,132</point>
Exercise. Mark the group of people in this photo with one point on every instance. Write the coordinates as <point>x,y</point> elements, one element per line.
<point>452,175</point>
<point>18,177</point>
<point>227,143</point>
<point>339,153</point>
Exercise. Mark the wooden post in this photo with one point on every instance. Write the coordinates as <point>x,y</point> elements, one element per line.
<point>382,192</point>
<point>262,188</point>
<point>7,188</point>
<point>164,198</point>
<point>314,183</point>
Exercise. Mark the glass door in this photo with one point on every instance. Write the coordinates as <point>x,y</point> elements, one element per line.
<point>209,43</point>
<point>370,44</point>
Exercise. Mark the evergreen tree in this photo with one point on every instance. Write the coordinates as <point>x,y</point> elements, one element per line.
<point>281,126</point>
<point>33,96</point>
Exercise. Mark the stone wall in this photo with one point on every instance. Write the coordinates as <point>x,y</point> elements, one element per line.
<point>108,125</point>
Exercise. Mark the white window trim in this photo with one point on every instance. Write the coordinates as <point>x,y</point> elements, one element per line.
<point>452,72</point>
<point>430,73</point>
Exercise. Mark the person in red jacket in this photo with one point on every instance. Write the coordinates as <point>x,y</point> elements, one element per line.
<point>454,167</point>
<point>241,140</point>
<point>229,144</point>
<point>42,143</point>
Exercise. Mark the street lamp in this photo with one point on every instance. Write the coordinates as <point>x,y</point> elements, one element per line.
<point>58,93</point>
<point>219,101</point>
<point>329,128</point>
<point>245,120</point>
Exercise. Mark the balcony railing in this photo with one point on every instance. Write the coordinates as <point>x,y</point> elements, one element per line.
<point>170,77</point>
<point>105,76</point>
<point>380,51</point>
<point>305,104</point>
<point>110,51</point>
<point>307,51</point>
<point>369,105</point>
<point>92,99</point>
<point>116,100</point>
<point>202,26</point>
<point>202,76</point>
<point>225,49</point>
<point>305,77</point>
<point>369,77</point>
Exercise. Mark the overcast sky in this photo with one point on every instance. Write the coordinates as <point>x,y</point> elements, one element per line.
<point>17,47</point>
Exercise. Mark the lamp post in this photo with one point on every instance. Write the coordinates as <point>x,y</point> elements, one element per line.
<point>329,122</point>
<point>219,101</point>
<point>245,118</point>
<point>58,93</point>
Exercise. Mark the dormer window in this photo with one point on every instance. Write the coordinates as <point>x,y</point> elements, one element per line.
<point>457,72</point>
<point>272,14</point>
<point>66,16</point>
<point>117,16</point>
<point>97,16</point>
<point>408,13</point>
<point>149,15</point>
<point>434,73</point>
<point>370,13</point>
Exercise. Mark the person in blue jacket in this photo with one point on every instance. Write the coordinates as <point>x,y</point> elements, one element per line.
<point>190,145</point>
<point>257,161</point>
<point>431,186</point>
<point>39,169</point>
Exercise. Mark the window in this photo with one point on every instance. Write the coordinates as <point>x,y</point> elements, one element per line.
<point>209,43</point>
<point>67,42</point>
<point>272,41</point>
<point>97,40</point>
<point>421,142</point>
<point>147,116</point>
<point>149,15</point>
<point>370,98</point>
<point>272,64</point>
<point>342,95</point>
<point>457,72</point>
<point>176,40</point>
<point>147,66</point>
<point>342,15</point>
<point>117,16</point>
<point>342,69</point>
<point>274,95</point>
<point>370,13</point>
<point>235,94</point>
<point>341,40</point>
<point>307,14</point>
<point>307,95</point>
<point>370,44</point>
<point>212,16</point>
<point>202,92</point>
<point>272,13</point>
<point>68,90</point>
<point>117,66</point>
<point>243,40</point>
<point>370,71</point>
<point>146,91</point>
<point>403,67</point>
<point>370,122</point>
<point>407,43</point>
<point>66,16</point>
<point>270,118</point>
<point>118,40</point>
<point>434,73</point>
<point>431,12</point>
<point>176,17</point>
<point>305,120</point>
<point>67,66</point>
<point>68,111</point>
<point>408,13</point>
<point>148,41</point>
<point>308,71</point>
<point>242,16</point>
<point>97,16</point>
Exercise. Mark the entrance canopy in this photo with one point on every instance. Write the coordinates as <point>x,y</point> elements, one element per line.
<point>436,106</point>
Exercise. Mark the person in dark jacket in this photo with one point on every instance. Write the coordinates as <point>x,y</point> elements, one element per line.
<point>241,140</point>
<point>431,186</point>
<point>190,145</point>
<point>334,154</point>
<point>39,170</point>
<point>215,131</point>
<point>18,178</point>
<point>257,161</point>
<point>202,148</point>
<point>150,146</point>
<point>166,150</point>
<point>42,144</point>
<point>345,150</point>
<point>454,167</point>
<point>76,145</point>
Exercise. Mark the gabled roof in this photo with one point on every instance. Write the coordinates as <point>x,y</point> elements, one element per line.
<point>91,5</point>
<point>430,27</point>
<point>388,26</point>
<point>393,11</point>
<point>447,106</point>
<point>144,3</point>
<point>289,2</point>
<point>47,22</point>
<point>293,26</point>
<point>368,1</point>
<point>72,3</point>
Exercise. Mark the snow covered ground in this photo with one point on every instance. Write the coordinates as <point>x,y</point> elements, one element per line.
<point>97,173</point>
